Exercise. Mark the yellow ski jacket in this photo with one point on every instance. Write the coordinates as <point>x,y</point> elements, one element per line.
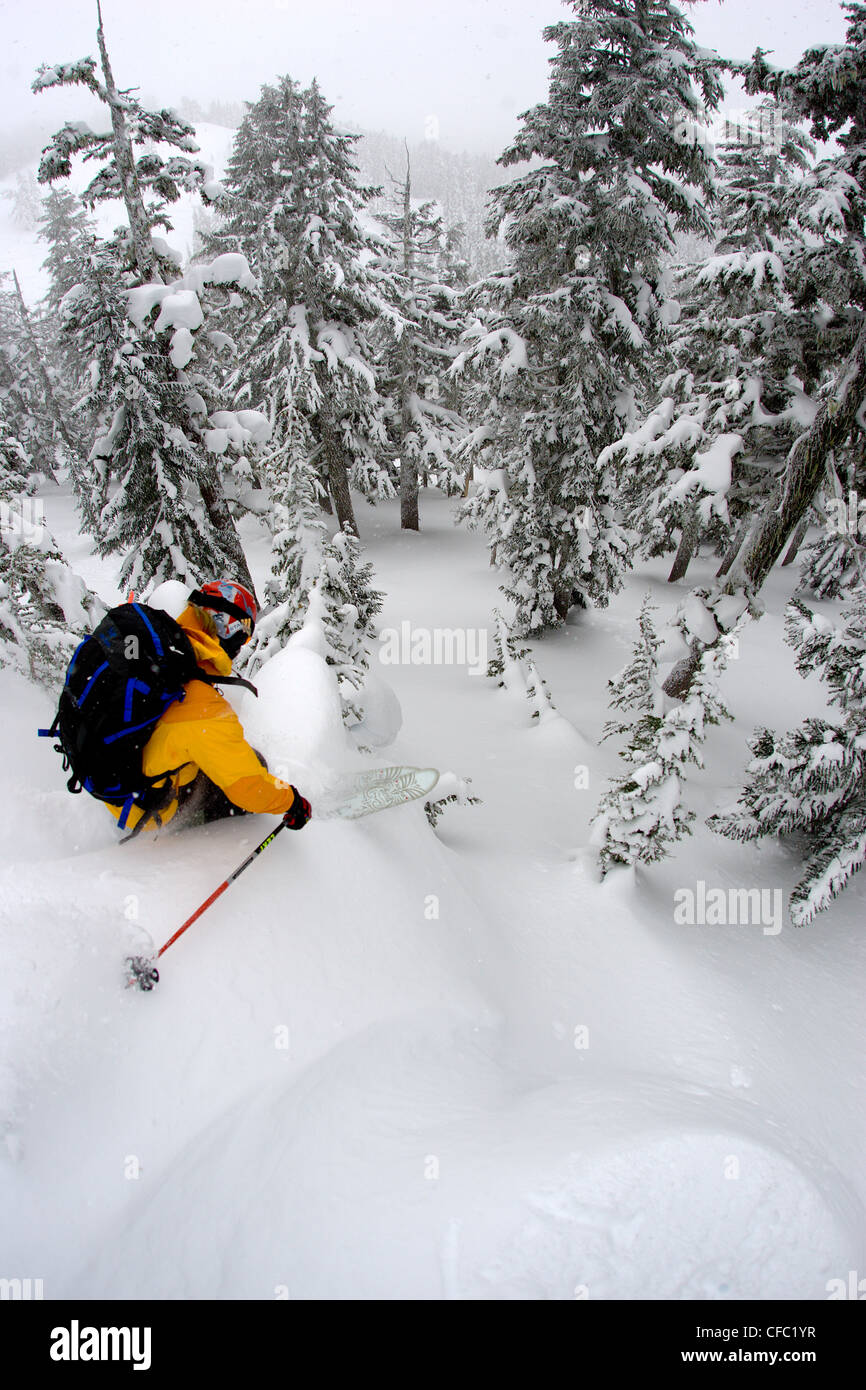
<point>202,733</point>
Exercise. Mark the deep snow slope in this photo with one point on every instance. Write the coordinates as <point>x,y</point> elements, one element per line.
<point>396,1062</point>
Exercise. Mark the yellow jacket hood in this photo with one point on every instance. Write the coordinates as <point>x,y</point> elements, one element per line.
<point>208,652</point>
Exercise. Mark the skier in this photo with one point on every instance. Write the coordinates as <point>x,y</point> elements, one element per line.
<point>198,742</point>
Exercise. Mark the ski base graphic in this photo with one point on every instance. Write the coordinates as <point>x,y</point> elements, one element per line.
<point>375,789</point>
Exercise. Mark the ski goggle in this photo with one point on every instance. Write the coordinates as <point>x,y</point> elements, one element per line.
<point>233,633</point>
<point>233,624</point>
<point>228,626</point>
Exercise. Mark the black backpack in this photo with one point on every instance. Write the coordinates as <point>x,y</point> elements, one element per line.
<point>120,681</point>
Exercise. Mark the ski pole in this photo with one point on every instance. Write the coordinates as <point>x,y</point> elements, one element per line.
<point>143,968</point>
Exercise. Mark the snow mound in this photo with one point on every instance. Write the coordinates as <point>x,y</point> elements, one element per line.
<point>530,1198</point>
<point>297,720</point>
<point>383,717</point>
<point>37,814</point>
<point>171,596</point>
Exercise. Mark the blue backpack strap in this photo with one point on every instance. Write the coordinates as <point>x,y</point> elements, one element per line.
<point>135,729</point>
<point>97,673</point>
<point>144,618</point>
<point>74,657</point>
<point>131,686</point>
<point>52,731</point>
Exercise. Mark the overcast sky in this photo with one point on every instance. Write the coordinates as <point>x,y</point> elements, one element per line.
<point>462,68</point>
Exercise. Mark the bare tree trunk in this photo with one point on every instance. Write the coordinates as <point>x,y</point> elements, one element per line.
<point>688,541</point>
<point>139,225</point>
<point>104,464</point>
<point>796,541</point>
<point>470,474</point>
<point>805,469</point>
<point>334,453</point>
<point>733,549</point>
<point>223,523</point>
<point>679,681</point>
<point>409,520</point>
<point>340,488</point>
<point>562,600</point>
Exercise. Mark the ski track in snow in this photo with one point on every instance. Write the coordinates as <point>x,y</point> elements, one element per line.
<point>548,1091</point>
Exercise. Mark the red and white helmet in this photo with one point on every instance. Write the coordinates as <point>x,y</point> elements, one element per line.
<point>234,612</point>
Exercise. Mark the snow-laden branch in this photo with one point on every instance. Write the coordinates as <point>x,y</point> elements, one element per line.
<point>337,342</point>
<point>516,358</point>
<point>179,305</point>
<point>240,428</point>
<point>621,320</point>
<point>80,73</point>
<point>712,473</point>
<point>755,266</point>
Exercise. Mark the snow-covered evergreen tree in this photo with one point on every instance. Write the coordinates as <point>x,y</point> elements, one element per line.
<point>344,589</point>
<point>812,780</point>
<point>513,668</point>
<point>457,182</point>
<point>45,609</point>
<point>168,466</point>
<point>566,332</point>
<point>744,362</point>
<point>637,686</point>
<point>98,336</point>
<point>67,228</point>
<point>505,666</point>
<point>296,499</point>
<point>451,790</point>
<point>825,286</point>
<point>26,201</point>
<point>160,434</point>
<point>826,88</point>
<point>34,400</point>
<point>68,231</point>
<point>145,159</point>
<point>425,426</point>
<point>834,562</point>
<point>707,617</point>
<point>644,813</point>
<point>294,208</point>
<point>155,518</point>
<point>295,492</point>
<point>16,468</point>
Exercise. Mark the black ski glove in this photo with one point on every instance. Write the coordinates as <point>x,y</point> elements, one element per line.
<point>298,813</point>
